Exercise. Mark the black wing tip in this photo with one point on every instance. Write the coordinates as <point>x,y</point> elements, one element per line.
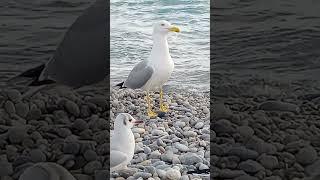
<point>121,85</point>
<point>34,72</point>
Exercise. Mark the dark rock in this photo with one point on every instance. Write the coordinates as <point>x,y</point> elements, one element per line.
<point>269,162</point>
<point>306,155</point>
<point>230,174</point>
<point>9,107</point>
<point>14,95</point>
<point>37,155</point>
<point>22,109</point>
<point>101,175</point>
<point>223,127</point>
<point>80,125</point>
<point>279,106</point>
<point>5,168</point>
<point>250,166</point>
<point>246,177</point>
<point>71,148</point>
<point>90,155</point>
<point>17,134</point>
<point>313,169</point>
<point>245,131</point>
<point>82,177</point>
<point>72,108</point>
<point>243,153</point>
<point>92,166</point>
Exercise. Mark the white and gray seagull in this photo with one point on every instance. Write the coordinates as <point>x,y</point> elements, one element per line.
<point>153,72</point>
<point>122,142</point>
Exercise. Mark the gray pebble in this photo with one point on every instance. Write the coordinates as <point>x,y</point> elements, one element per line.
<point>181,147</point>
<point>173,174</point>
<point>143,175</point>
<point>167,156</point>
<point>190,158</point>
<point>199,125</point>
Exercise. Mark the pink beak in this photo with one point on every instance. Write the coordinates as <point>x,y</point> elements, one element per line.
<point>137,122</point>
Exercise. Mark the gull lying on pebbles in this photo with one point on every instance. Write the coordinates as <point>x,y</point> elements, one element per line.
<point>152,73</point>
<point>122,142</point>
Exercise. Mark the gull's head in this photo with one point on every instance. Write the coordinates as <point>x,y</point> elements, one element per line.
<point>125,120</point>
<point>164,27</point>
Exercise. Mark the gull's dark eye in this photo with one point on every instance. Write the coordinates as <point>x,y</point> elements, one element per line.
<point>130,120</point>
<point>162,24</point>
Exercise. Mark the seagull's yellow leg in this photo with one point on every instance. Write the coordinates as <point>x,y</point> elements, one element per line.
<point>151,114</point>
<point>163,107</point>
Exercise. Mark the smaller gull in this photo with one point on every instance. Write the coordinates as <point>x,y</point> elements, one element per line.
<point>122,142</point>
<point>153,72</point>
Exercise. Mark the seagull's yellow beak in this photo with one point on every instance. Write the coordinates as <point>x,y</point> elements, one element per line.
<point>174,29</point>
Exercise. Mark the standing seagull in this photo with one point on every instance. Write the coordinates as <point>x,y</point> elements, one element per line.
<point>80,58</point>
<point>152,73</point>
<point>122,142</point>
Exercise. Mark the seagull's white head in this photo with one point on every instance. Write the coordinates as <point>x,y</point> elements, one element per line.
<point>164,27</point>
<point>125,120</point>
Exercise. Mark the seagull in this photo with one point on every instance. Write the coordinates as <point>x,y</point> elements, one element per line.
<point>122,142</point>
<point>153,72</point>
<point>81,57</point>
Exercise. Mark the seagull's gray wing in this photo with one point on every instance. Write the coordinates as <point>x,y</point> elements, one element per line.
<point>117,159</point>
<point>139,75</point>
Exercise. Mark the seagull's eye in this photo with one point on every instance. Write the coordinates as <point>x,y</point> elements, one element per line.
<point>162,24</point>
<point>130,120</point>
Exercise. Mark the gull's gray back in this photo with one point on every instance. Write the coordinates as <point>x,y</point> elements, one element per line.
<point>139,75</point>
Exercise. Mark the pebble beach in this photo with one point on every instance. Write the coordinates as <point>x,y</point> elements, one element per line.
<point>71,129</point>
<point>265,130</point>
